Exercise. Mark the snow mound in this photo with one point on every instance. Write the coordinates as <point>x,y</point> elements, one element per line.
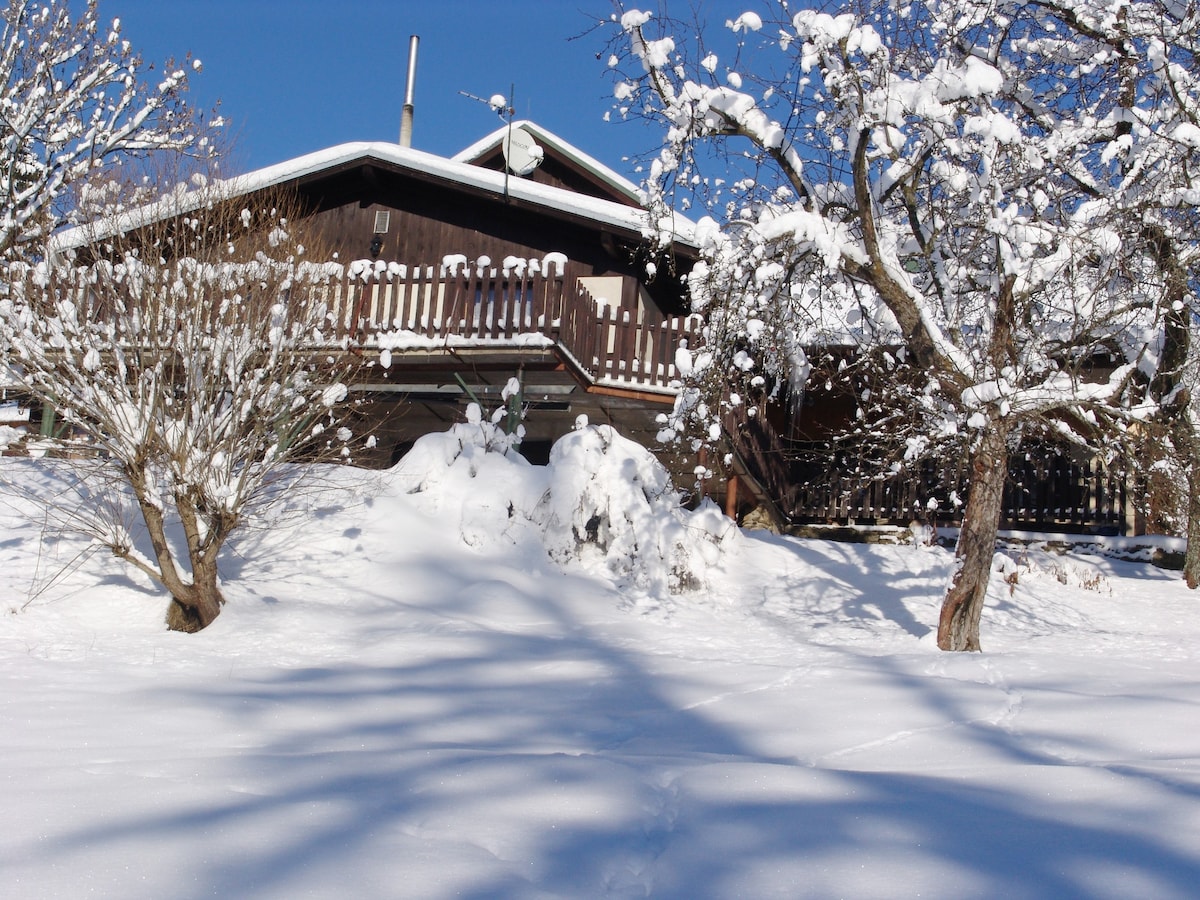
<point>603,502</point>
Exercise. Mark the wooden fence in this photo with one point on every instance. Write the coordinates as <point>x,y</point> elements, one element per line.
<point>469,305</point>
<point>1047,488</point>
<point>625,345</point>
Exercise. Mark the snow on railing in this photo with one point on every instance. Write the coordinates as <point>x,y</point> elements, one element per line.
<point>455,300</point>
<point>386,305</point>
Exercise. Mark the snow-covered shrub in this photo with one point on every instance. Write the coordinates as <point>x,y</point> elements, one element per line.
<point>465,446</point>
<point>10,435</point>
<point>1008,570</point>
<point>602,501</point>
<point>473,470</point>
<point>1072,572</point>
<point>610,503</point>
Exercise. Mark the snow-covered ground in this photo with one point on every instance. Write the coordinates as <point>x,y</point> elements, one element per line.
<point>407,697</point>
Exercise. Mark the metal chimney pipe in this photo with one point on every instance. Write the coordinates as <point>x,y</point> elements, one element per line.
<point>406,116</point>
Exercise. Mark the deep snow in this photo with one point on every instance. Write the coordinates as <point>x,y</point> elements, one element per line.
<point>407,697</point>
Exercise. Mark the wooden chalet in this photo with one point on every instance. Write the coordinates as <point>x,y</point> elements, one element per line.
<point>461,274</point>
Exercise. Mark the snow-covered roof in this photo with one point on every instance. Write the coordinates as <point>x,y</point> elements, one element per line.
<point>555,199</point>
<point>590,164</point>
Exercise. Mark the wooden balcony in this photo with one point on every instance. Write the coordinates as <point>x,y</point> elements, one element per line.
<point>615,345</point>
<point>376,307</point>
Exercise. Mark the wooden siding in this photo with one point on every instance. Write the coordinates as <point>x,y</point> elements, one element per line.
<point>430,220</point>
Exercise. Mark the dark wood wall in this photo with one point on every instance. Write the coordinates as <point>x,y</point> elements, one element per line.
<point>430,220</point>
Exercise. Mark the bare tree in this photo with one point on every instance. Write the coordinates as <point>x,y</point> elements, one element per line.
<point>191,356</point>
<point>1173,439</point>
<point>959,171</point>
<point>73,99</point>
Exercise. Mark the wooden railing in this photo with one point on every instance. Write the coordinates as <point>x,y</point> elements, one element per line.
<point>467,304</point>
<point>621,346</point>
<point>614,345</point>
<point>368,304</point>
<point>1046,490</point>
<point>760,451</point>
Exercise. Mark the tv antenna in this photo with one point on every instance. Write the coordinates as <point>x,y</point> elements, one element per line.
<point>522,154</point>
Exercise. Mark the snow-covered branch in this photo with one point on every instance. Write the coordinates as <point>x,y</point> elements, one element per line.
<point>985,174</point>
<point>73,98</point>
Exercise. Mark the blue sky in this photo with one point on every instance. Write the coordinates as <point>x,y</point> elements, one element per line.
<point>300,75</point>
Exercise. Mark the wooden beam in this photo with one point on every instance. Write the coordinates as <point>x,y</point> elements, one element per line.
<point>625,393</point>
<point>731,497</point>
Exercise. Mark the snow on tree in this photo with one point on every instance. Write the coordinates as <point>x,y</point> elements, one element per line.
<point>73,100</point>
<point>959,184</point>
<point>190,363</point>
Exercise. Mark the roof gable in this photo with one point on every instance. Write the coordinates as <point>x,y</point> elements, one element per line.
<point>563,165</point>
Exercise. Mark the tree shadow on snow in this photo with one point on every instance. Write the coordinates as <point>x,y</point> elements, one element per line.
<point>828,585</point>
<point>532,756</point>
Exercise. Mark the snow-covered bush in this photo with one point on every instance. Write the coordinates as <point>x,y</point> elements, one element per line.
<point>10,435</point>
<point>603,502</point>
<point>610,502</point>
<point>466,446</point>
<point>449,467</point>
<point>1076,572</point>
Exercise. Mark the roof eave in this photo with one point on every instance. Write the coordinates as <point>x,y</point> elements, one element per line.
<point>560,203</point>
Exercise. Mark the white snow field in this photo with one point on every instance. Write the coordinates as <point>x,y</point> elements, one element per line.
<point>406,696</point>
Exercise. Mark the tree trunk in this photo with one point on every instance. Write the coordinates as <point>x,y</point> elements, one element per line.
<point>1170,385</point>
<point>195,603</point>
<point>1189,451</point>
<point>196,608</point>
<point>201,609</point>
<point>1191,557</point>
<point>958,626</point>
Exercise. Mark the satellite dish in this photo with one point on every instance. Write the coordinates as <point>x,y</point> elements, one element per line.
<point>521,152</point>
